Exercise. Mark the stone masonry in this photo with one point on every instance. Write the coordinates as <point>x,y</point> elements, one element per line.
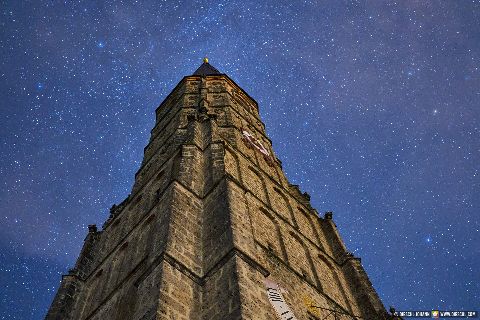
<point>210,217</point>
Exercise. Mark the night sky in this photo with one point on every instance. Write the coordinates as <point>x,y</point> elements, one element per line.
<point>372,107</point>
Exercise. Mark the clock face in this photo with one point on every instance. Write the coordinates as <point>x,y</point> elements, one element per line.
<point>251,142</point>
<point>278,302</point>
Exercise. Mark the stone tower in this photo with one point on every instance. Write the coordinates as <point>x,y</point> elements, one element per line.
<point>212,228</point>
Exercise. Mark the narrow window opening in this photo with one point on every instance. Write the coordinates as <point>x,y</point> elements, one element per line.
<point>159,175</point>
<point>270,247</point>
<point>124,246</point>
<point>149,219</point>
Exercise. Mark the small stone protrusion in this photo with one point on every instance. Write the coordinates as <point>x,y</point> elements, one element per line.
<point>392,310</point>
<point>347,256</point>
<point>92,228</point>
<point>328,215</point>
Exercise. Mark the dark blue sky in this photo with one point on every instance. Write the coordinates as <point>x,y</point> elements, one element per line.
<point>373,108</point>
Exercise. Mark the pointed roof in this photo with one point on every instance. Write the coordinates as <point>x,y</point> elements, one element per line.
<point>206,69</point>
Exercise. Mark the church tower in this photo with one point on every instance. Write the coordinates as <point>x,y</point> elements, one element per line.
<point>212,229</point>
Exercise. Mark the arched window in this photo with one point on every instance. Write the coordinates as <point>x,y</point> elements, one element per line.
<point>267,232</point>
<point>299,257</point>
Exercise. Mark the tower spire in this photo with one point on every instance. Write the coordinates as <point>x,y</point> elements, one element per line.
<point>206,69</point>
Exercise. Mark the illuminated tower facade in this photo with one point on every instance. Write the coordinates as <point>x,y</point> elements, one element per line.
<point>212,229</point>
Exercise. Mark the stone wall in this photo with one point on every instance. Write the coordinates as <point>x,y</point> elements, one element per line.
<point>211,216</point>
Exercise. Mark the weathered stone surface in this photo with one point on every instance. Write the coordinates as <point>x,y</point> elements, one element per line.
<point>209,219</point>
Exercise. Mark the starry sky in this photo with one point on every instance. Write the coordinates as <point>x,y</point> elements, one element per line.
<point>372,106</point>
